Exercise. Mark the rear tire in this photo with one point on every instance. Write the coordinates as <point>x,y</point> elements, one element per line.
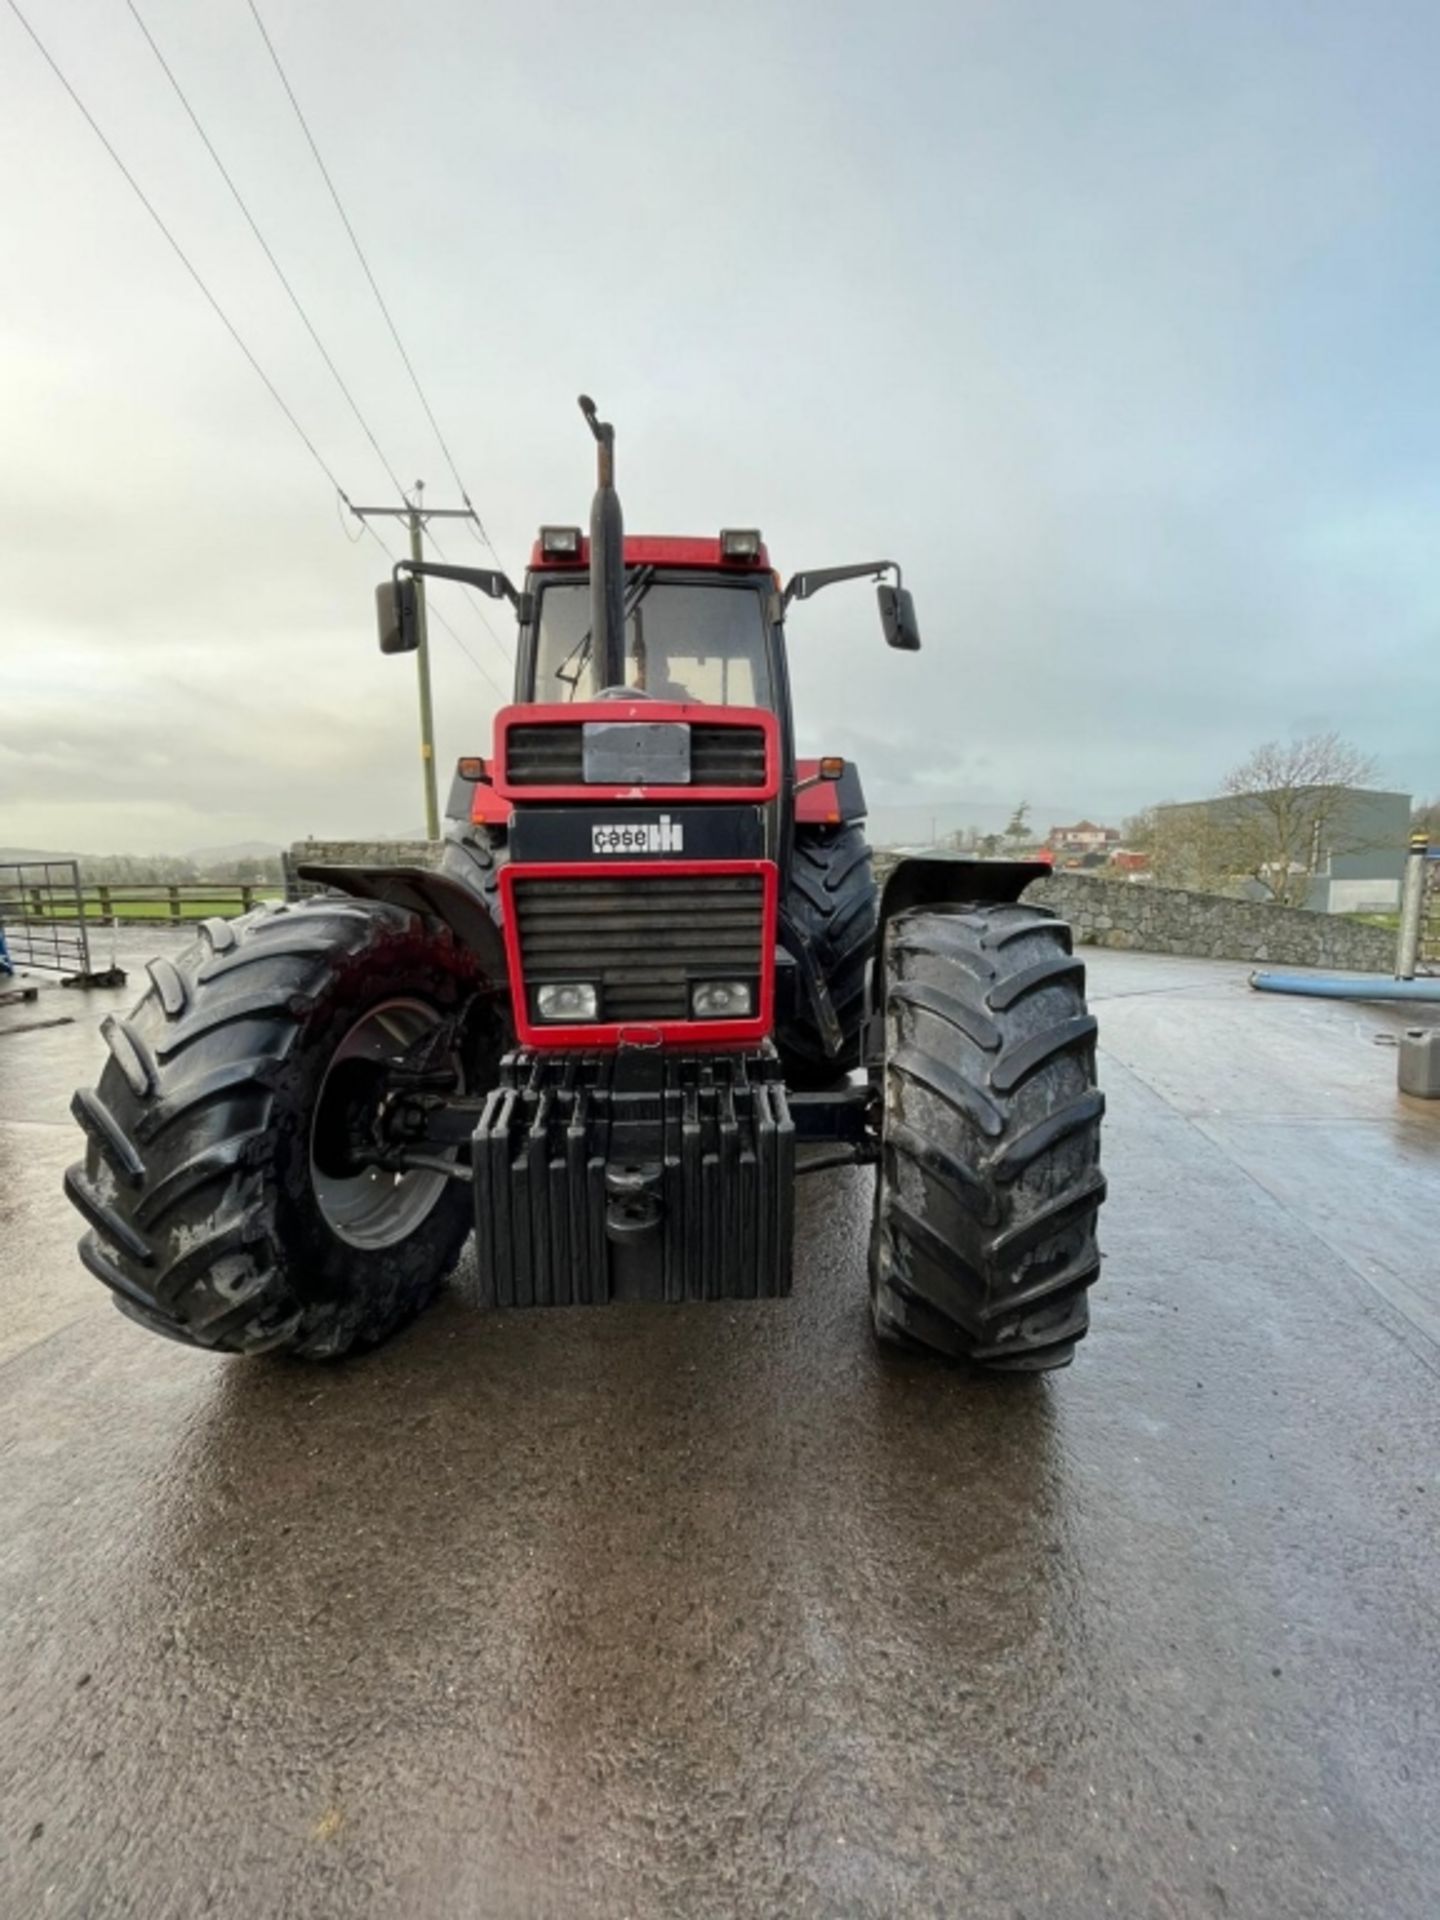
<point>989,1183</point>
<point>211,1218</point>
<point>833,902</point>
<point>474,855</point>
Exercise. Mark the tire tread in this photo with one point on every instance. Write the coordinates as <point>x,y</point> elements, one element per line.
<point>984,1245</point>
<point>832,900</point>
<point>179,1188</point>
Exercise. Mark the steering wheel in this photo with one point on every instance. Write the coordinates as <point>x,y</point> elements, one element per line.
<point>624,693</point>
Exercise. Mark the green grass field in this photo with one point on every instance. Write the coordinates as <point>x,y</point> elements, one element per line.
<point>224,906</point>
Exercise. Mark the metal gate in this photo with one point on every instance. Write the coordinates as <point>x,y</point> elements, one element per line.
<point>42,914</point>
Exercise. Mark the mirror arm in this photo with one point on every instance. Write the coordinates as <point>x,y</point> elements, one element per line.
<point>497,585</point>
<point>803,585</point>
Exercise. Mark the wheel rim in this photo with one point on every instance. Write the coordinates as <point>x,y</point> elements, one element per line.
<point>375,1208</point>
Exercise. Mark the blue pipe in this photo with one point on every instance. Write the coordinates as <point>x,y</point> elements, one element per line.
<point>1335,986</point>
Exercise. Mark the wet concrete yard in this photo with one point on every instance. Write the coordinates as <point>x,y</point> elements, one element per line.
<point>716,1611</point>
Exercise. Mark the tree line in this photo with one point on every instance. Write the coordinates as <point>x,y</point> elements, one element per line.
<point>1281,815</point>
<point>176,870</point>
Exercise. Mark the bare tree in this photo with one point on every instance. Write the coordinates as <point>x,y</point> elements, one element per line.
<point>1426,819</point>
<point>1138,830</point>
<point>1206,845</point>
<point>1288,811</point>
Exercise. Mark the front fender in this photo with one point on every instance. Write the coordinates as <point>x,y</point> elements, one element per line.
<point>932,879</point>
<point>927,879</point>
<point>435,896</point>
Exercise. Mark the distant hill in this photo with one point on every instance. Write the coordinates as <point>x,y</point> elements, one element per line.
<point>239,850</point>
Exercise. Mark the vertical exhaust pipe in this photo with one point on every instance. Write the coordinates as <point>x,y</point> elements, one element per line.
<point>607,556</point>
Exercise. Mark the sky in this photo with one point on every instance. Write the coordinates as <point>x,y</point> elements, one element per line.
<point>1114,324</point>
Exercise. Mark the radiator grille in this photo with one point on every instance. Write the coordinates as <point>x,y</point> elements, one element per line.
<point>727,757</point>
<point>553,756</point>
<point>642,940</point>
<point>544,756</point>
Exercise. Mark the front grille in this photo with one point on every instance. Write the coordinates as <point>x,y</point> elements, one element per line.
<point>727,756</point>
<point>553,756</point>
<point>544,756</point>
<point>643,941</point>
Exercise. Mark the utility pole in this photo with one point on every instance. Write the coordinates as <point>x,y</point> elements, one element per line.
<point>417,516</point>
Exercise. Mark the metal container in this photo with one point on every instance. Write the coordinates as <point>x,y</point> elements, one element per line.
<point>1420,1062</point>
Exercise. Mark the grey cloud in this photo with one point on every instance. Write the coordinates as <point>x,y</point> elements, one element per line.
<point>1116,339</point>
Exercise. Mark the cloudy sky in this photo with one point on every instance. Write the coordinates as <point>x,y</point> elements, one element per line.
<point>1115,323</point>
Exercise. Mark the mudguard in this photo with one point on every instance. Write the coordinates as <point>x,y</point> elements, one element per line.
<point>435,895</point>
<point>926,879</point>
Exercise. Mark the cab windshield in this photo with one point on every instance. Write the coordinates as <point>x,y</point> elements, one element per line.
<point>684,641</point>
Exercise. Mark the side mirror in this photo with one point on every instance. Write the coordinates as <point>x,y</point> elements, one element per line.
<point>397,615</point>
<point>897,616</point>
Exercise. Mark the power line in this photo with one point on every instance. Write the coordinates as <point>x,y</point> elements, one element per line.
<point>434,613</point>
<point>502,694</point>
<point>229,324</point>
<point>180,253</point>
<point>224,317</point>
<point>264,245</point>
<point>374,284</point>
<point>476,606</point>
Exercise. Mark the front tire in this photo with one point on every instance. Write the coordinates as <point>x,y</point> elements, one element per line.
<point>989,1185</point>
<point>220,1210</point>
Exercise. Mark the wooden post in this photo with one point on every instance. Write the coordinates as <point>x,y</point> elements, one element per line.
<point>174,892</point>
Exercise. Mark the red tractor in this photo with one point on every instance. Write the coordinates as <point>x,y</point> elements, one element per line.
<point>651,981</point>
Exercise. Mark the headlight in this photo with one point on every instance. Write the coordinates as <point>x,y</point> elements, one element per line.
<point>567,1000</point>
<point>720,999</point>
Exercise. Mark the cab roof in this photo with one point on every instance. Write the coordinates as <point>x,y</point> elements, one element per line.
<point>655,550</point>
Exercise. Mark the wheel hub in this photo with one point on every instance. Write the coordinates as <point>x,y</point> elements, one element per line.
<point>366,1205</point>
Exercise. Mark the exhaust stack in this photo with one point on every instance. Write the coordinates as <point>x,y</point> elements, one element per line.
<point>607,556</point>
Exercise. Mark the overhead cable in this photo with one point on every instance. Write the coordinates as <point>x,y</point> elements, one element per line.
<point>180,253</point>
<point>265,246</point>
<point>369,275</point>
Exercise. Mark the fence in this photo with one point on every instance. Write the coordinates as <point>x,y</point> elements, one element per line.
<point>133,903</point>
<point>42,912</point>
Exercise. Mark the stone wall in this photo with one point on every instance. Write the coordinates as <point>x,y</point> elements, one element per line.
<point>365,853</point>
<point>1146,919</point>
<point>1104,913</point>
<point>1111,913</point>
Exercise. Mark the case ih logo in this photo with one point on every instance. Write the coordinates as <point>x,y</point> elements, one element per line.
<point>639,836</point>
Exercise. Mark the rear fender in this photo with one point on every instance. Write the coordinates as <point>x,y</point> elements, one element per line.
<point>435,896</point>
<point>477,803</point>
<point>827,803</point>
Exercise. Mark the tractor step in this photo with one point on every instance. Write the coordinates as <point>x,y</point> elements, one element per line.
<point>638,1175</point>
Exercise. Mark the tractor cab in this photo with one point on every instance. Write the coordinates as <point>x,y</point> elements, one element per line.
<point>699,620</point>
